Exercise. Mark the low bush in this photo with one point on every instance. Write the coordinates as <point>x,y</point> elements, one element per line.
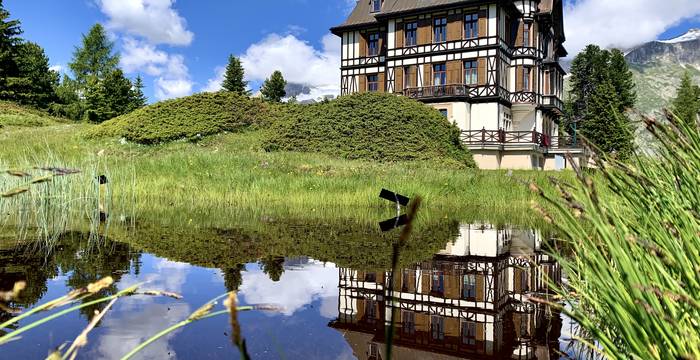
<point>370,126</point>
<point>188,118</point>
<point>12,114</point>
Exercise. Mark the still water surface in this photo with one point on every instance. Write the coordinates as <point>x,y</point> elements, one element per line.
<point>466,297</point>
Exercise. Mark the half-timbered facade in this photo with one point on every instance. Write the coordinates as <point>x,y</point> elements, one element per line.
<point>490,66</point>
<point>469,301</point>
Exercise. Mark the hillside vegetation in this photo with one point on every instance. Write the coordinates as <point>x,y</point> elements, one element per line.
<point>374,127</point>
<point>12,114</point>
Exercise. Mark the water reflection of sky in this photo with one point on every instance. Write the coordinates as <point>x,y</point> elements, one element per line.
<point>308,292</point>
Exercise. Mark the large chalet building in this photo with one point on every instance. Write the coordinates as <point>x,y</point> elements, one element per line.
<point>490,66</point>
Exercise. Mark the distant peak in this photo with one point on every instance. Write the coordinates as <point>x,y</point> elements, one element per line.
<point>691,35</point>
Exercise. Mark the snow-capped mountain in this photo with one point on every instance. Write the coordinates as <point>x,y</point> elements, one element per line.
<point>658,67</point>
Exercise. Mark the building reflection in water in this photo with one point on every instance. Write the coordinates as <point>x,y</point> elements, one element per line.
<point>469,301</point>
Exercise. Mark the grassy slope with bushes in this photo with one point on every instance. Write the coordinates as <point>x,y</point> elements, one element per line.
<point>368,126</point>
<point>12,114</point>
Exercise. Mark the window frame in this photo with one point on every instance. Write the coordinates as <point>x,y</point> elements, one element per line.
<point>408,322</point>
<point>439,277</point>
<point>442,72</point>
<point>372,83</point>
<point>437,328</point>
<point>410,28</point>
<point>473,72</point>
<point>376,6</point>
<point>526,79</point>
<point>471,25</point>
<point>468,333</point>
<point>373,39</point>
<point>441,24</point>
<point>473,287</point>
<point>527,28</point>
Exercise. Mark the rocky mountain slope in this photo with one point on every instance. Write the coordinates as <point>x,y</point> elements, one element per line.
<point>659,65</point>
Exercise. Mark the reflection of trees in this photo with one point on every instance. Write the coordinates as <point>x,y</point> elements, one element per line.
<point>233,278</point>
<point>82,260</point>
<point>273,266</point>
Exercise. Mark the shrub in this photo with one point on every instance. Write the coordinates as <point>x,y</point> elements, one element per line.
<point>188,118</point>
<point>12,114</point>
<point>369,126</point>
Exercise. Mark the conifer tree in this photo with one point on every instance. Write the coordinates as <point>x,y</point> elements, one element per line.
<point>686,105</point>
<point>234,77</point>
<point>9,39</point>
<point>94,58</point>
<point>273,88</point>
<point>35,83</point>
<point>273,266</point>
<point>622,79</point>
<point>605,126</point>
<point>138,99</point>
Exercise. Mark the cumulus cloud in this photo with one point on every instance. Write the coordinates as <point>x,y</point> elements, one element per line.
<point>622,24</point>
<point>299,62</point>
<point>172,75</point>
<point>155,20</point>
<point>214,84</point>
<point>297,288</point>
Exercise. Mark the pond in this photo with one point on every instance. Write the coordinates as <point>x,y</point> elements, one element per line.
<point>462,291</point>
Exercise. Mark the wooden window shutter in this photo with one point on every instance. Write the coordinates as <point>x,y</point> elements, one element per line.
<point>480,336</point>
<point>518,78</point>
<point>381,43</point>
<point>428,75</point>
<point>519,37</point>
<point>381,86</point>
<point>398,79</point>
<point>480,288</point>
<point>399,34</point>
<point>424,32</point>
<point>363,45</point>
<point>454,69</point>
<point>425,282</point>
<point>454,27</point>
<point>413,76</point>
<point>547,89</point>
<point>483,23</point>
<point>363,83</point>
<point>482,71</point>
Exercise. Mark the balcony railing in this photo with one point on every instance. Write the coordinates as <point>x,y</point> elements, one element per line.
<point>552,101</point>
<point>438,91</point>
<point>502,137</point>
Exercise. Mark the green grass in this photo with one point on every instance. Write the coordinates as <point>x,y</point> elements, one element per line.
<point>633,236</point>
<point>13,115</point>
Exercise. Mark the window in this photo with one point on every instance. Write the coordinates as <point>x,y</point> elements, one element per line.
<point>373,351</point>
<point>437,327</point>
<point>408,322</point>
<point>371,310</point>
<point>440,30</point>
<point>411,34</point>
<point>526,79</point>
<point>376,6</point>
<point>407,77</point>
<point>405,280</point>
<point>526,35</point>
<point>471,72</point>
<point>471,26</point>
<point>372,86</point>
<point>439,74</point>
<point>373,45</point>
<point>468,333</point>
<point>469,286</point>
<point>371,277</point>
<point>437,283</point>
<point>443,112</point>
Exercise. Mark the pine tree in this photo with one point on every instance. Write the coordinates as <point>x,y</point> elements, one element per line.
<point>622,79</point>
<point>94,58</point>
<point>35,84</point>
<point>605,126</point>
<point>588,70</point>
<point>108,98</point>
<point>234,77</point>
<point>273,266</point>
<point>9,40</point>
<point>273,88</point>
<point>138,99</point>
<point>686,105</point>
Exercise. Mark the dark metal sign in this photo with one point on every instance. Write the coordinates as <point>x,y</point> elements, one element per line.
<point>391,224</point>
<point>394,197</point>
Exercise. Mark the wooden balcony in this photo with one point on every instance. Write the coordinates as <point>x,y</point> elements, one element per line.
<point>437,92</point>
<point>502,137</point>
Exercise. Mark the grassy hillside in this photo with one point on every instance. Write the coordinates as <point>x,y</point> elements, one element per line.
<point>367,126</point>
<point>12,114</point>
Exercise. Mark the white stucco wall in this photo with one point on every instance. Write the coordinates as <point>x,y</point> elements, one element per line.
<point>484,116</point>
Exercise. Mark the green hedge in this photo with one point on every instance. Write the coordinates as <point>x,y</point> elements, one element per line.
<point>188,118</point>
<point>369,126</point>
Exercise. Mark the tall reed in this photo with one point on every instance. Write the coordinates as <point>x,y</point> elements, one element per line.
<point>634,240</point>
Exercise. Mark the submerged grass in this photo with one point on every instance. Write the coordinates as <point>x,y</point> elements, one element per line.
<point>635,243</point>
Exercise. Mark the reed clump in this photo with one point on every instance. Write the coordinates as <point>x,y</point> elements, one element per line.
<point>634,242</point>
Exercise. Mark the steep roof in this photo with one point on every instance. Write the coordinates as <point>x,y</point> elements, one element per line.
<point>362,14</point>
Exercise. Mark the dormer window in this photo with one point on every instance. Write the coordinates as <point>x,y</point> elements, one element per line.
<point>376,5</point>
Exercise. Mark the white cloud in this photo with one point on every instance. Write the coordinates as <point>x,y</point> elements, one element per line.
<point>57,68</point>
<point>214,84</point>
<point>297,288</point>
<point>622,23</point>
<point>155,20</point>
<point>173,79</point>
<point>298,61</point>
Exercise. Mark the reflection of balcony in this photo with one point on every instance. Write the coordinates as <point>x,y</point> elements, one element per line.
<point>502,137</point>
<point>526,51</point>
<point>438,91</point>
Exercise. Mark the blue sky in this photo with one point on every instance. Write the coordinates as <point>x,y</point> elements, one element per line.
<point>181,46</point>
